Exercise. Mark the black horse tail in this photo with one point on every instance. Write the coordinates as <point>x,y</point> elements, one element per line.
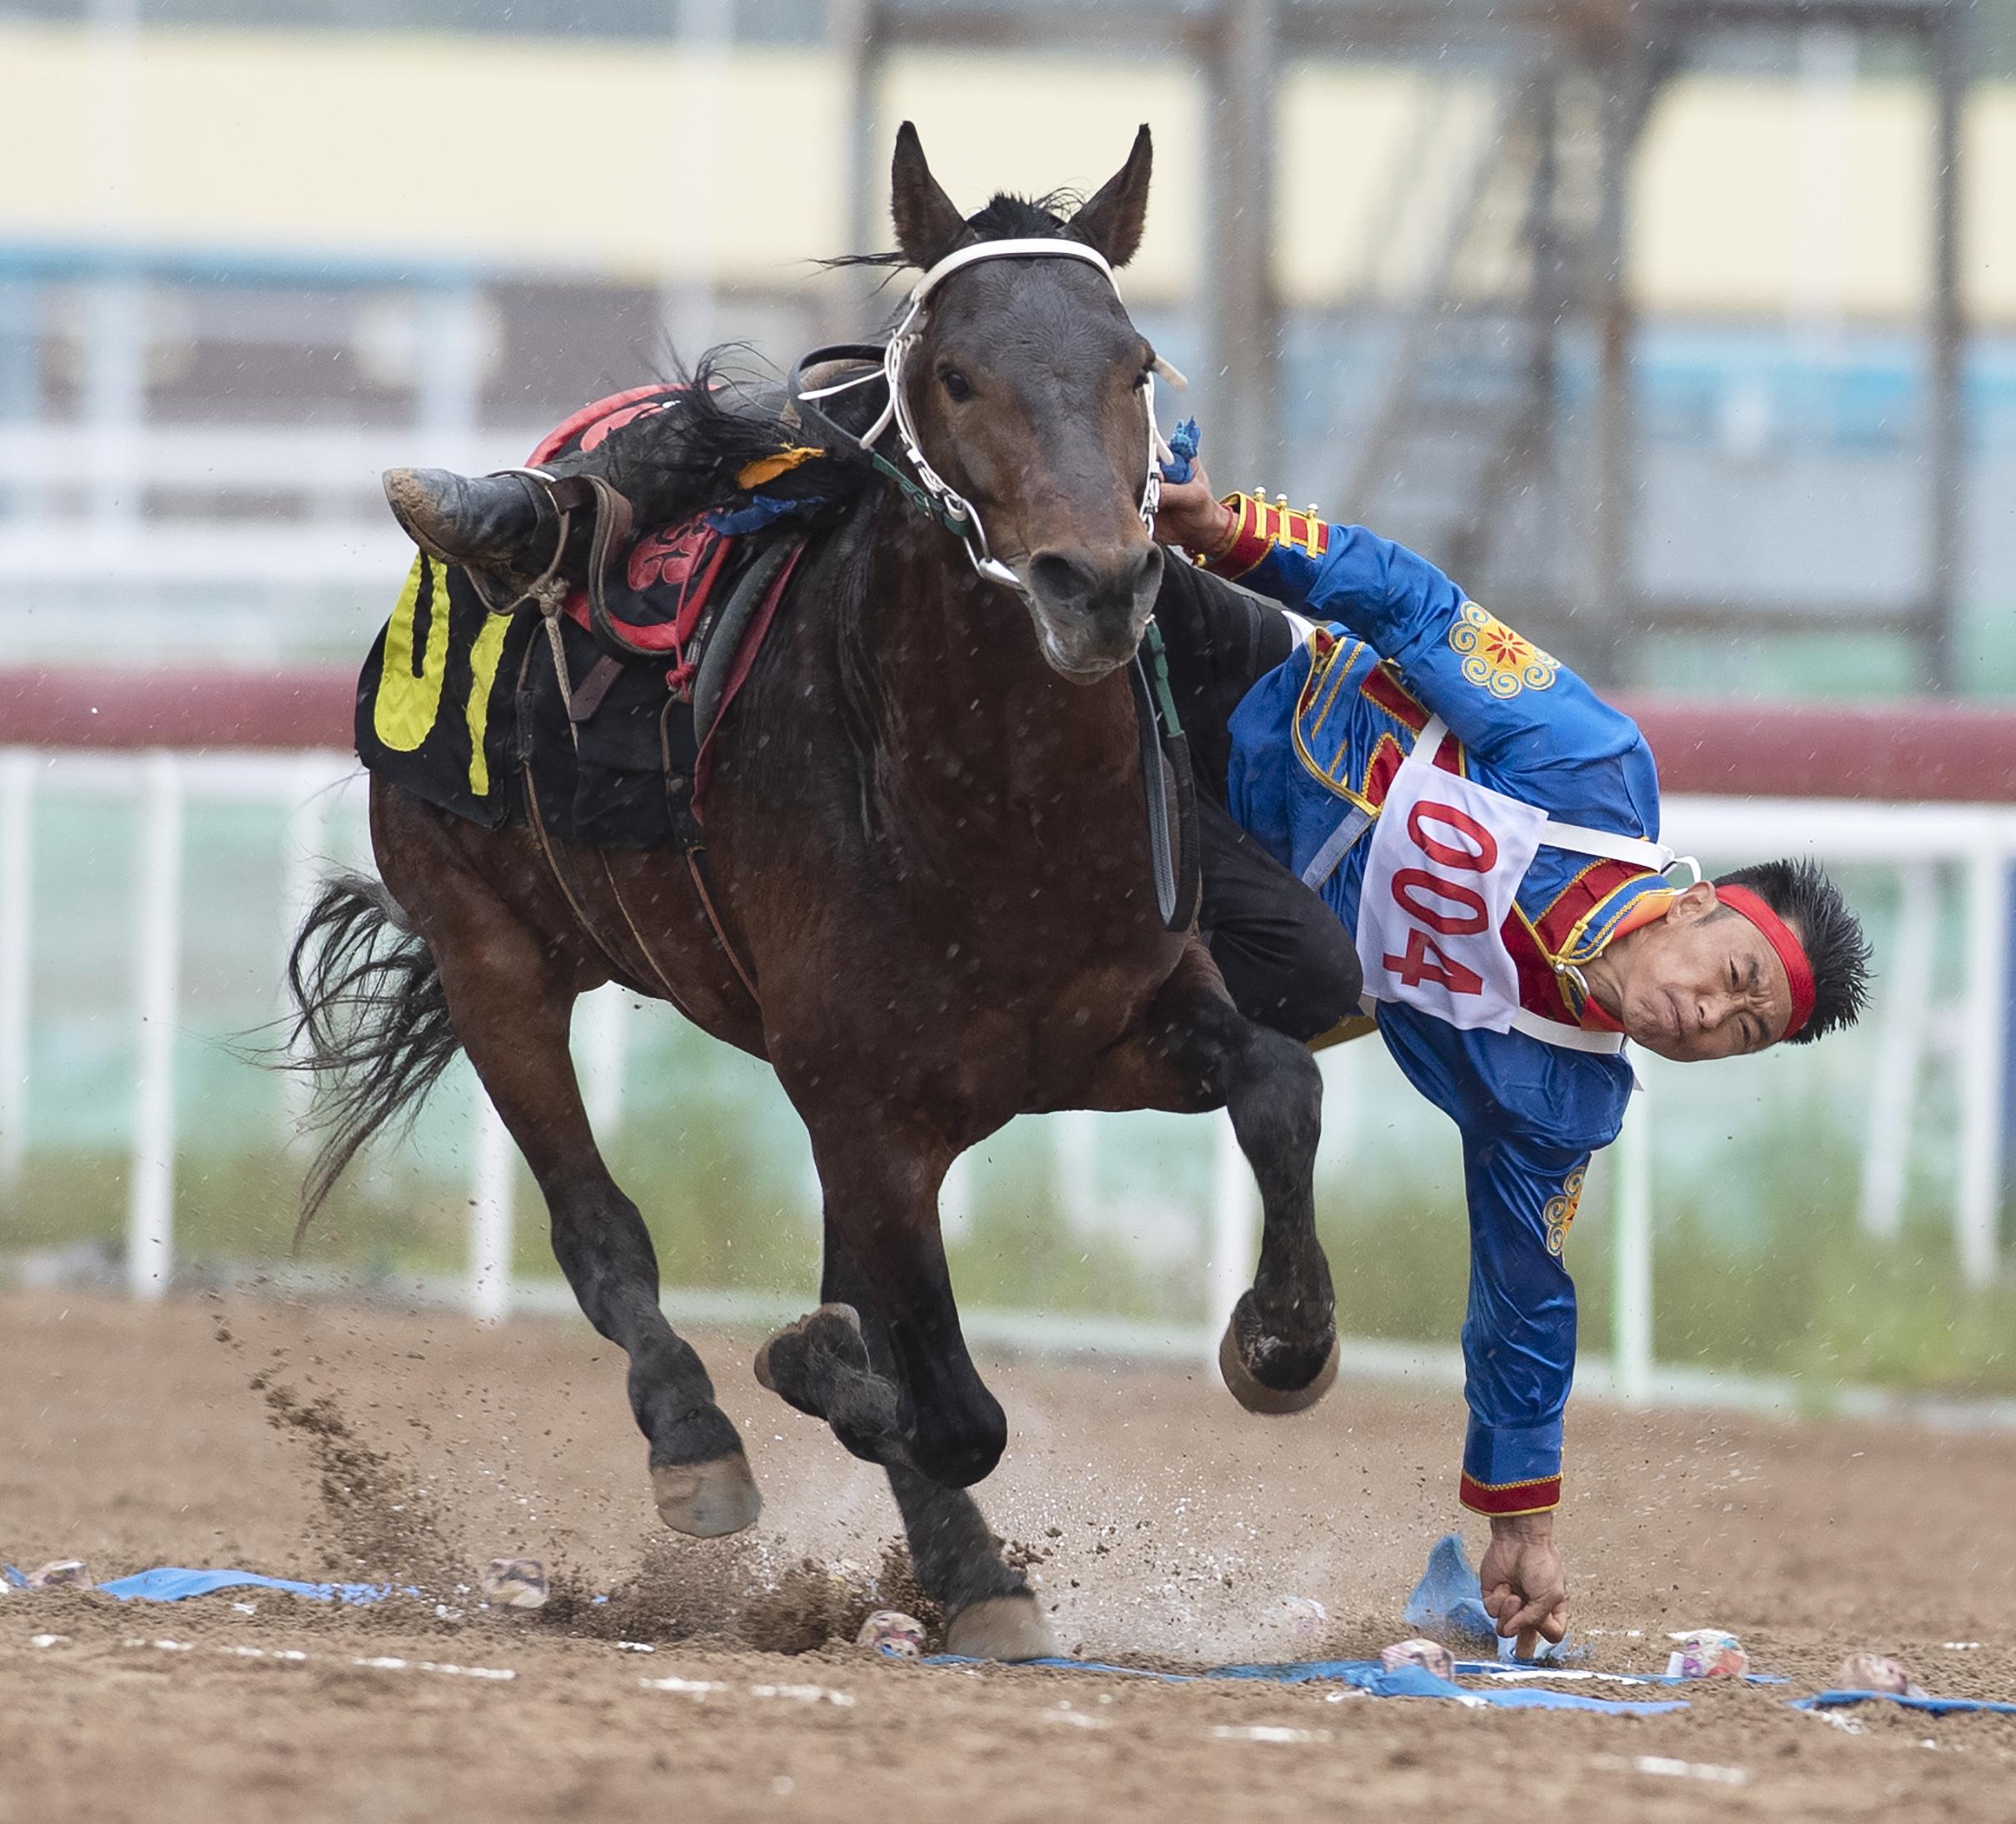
<point>371,1024</point>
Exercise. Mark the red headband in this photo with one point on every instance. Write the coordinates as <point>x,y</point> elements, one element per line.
<point>1798,973</point>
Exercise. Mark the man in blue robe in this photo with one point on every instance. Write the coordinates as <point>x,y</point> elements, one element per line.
<point>1519,925</point>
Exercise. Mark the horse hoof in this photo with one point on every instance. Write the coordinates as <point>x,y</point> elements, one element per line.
<point>823,1319</point>
<point>1255,1395</point>
<point>1009,1627</point>
<point>707,1499</point>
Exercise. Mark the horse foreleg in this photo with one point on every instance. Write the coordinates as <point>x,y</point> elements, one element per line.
<point>1196,1050</point>
<point>992,1611</point>
<point>510,1002</point>
<point>837,1365</point>
<point>929,1411</point>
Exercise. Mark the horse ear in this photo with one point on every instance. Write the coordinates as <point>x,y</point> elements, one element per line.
<point>1112,220</point>
<point>928,224</point>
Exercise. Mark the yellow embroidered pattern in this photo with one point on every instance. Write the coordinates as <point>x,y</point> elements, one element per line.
<point>1560,1212</point>
<point>1495,658</point>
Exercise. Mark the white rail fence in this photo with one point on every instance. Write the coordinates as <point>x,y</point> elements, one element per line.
<point>315,789</point>
<point>80,494</point>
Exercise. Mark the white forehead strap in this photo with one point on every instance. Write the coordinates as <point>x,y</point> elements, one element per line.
<point>1044,248</point>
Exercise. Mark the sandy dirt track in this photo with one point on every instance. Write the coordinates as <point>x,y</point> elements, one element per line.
<point>1168,1523</point>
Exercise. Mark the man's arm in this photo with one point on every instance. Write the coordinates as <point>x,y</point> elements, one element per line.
<point>1519,1352</point>
<point>1502,697</point>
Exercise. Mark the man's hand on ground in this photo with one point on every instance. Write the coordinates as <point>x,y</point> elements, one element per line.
<point>1526,1590</point>
<point>1190,515</point>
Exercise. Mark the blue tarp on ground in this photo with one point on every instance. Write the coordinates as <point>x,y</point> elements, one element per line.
<point>1370,1677</point>
<point>172,1584</point>
<point>1439,1597</point>
<point>1449,1599</point>
<point>1935,1707</point>
<point>1449,1604</point>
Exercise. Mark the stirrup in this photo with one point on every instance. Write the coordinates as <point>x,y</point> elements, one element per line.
<point>611,517</point>
<point>548,590</point>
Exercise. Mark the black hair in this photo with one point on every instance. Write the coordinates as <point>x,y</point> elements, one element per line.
<point>1801,894</point>
<point>1006,217</point>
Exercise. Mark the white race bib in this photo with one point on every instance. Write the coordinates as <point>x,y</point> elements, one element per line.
<point>1447,857</point>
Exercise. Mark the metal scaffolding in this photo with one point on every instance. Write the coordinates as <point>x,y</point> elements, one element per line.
<point>1469,450</point>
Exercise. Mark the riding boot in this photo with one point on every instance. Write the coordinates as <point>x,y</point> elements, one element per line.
<point>504,524</point>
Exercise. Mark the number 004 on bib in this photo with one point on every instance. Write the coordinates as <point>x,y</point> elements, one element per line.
<point>1448,855</point>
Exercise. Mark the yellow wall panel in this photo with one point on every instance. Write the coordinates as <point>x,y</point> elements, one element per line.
<point>1988,206</point>
<point>1349,140</point>
<point>1752,197</point>
<point>1746,202</point>
<point>517,150</point>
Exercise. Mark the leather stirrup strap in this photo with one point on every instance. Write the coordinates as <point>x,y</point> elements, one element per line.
<point>724,637</point>
<point>588,694</point>
<point>610,534</point>
<point>555,865</point>
<point>637,937</point>
<point>696,866</point>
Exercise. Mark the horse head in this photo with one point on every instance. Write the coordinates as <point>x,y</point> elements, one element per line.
<point>1030,392</point>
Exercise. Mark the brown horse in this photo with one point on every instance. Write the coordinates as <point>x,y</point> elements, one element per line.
<point>928,850</point>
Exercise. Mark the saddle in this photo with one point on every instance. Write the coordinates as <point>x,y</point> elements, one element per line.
<point>606,718</point>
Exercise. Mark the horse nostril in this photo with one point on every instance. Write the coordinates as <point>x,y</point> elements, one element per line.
<point>1062,580</point>
<point>1147,577</point>
<point>1076,580</point>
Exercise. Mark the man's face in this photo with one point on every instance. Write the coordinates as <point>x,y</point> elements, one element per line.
<point>1701,982</point>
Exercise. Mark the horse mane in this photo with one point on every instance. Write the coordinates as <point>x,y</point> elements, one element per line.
<point>676,464</point>
<point>1005,217</point>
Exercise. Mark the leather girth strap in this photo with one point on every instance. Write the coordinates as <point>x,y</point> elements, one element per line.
<point>619,966</point>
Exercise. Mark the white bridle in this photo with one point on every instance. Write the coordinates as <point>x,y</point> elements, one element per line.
<point>952,506</point>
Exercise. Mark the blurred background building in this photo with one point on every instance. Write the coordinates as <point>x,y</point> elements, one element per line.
<point>1682,331</point>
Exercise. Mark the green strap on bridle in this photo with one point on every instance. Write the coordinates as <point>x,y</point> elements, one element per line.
<point>958,524</point>
<point>1158,676</point>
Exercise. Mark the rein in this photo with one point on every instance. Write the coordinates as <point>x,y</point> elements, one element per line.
<point>1178,873</point>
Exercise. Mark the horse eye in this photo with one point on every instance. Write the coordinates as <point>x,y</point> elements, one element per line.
<point>955,383</point>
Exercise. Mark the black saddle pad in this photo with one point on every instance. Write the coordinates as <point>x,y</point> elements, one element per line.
<point>617,780</point>
<point>452,696</point>
<point>435,711</point>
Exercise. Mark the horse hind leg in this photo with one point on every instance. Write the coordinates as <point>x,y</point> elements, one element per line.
<point>511,1006</point>
<point>701,1481</point>
<point>821,1364</point>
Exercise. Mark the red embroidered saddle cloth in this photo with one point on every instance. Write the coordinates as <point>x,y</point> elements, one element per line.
<point>667,583</point>
<point>670,577</point>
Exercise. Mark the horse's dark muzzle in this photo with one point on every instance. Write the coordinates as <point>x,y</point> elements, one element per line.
<point>1092,607</point>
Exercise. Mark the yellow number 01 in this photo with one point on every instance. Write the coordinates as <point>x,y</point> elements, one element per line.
<point>409,700</point>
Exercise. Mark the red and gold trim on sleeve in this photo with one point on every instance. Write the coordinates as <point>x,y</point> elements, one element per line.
<point>1504,1499</point>
<point>1382,687</point>
<point>1259,525</point>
